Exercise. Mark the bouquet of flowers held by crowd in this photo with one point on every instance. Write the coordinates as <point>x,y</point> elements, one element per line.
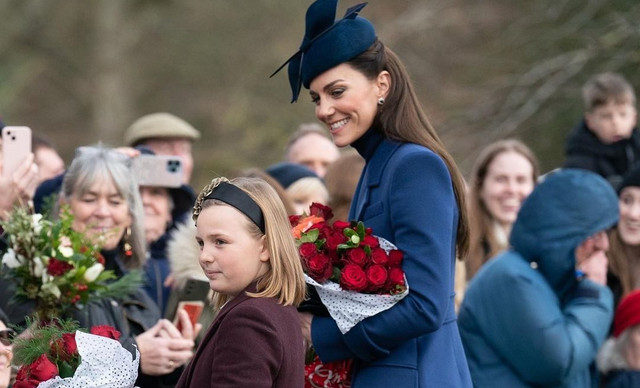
<point>354,273</point>
<point>61,355</point>
<point>55,266</point>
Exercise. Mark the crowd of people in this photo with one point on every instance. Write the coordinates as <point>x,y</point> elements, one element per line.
<point>516,278</point>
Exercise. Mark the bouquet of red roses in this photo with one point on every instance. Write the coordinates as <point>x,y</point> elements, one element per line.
<point>60,355</point>
<point>355,274</point>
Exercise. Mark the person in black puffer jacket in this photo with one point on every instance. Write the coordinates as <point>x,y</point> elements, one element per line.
<point>606,141</point>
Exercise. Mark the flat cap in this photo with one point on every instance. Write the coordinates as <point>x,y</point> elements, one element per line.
<point>159,125</point>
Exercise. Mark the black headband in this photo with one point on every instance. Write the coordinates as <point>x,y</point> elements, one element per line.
<point>236,197</point>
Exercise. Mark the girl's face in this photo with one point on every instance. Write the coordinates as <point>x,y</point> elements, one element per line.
<point>629,223</point>
<point>102,213</point>
<point>156,202</point>
<point>230,256</point>
<point>509,180</point>
<point>347,102</point>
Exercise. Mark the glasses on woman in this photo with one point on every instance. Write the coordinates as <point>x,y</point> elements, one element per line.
<point>6,336</point>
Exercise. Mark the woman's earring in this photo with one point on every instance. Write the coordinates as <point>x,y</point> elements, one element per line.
<point>380,100</point>
<point>128,249</point>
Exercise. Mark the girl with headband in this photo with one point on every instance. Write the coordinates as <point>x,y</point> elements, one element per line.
<point>248,253</point>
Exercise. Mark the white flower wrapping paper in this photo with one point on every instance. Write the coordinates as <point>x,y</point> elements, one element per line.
<point>348,308</point>
<point>105,364</point>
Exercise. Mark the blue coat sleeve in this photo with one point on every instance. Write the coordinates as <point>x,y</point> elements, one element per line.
<point>422,219</point>
<point>547,343</point>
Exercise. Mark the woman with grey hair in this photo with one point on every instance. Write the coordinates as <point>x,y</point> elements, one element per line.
<point>102,194</point>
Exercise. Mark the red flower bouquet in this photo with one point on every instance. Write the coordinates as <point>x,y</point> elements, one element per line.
<point>59,355</point>
<point>355,274</point>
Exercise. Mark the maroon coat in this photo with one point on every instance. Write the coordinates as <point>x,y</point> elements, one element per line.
<point>253,342</point>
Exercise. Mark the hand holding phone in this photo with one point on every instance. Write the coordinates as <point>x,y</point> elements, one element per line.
<point>193,309</point>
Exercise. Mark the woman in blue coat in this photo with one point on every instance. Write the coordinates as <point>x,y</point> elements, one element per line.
<point>410,193</point>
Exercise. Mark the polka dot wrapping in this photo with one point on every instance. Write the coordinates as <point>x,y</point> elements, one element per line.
<point>347,307</point>
<point>105,364</point>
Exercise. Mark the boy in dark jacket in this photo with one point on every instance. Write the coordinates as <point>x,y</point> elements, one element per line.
<point>606,141</point>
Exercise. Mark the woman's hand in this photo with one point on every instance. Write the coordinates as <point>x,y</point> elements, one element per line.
<point>161,352</point>
<point>21,186</point>
<point>305,325</point>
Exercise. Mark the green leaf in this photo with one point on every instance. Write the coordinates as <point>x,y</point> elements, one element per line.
<point>310,236</point>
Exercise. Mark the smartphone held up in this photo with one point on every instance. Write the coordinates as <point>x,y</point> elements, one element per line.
<point>16,146</point>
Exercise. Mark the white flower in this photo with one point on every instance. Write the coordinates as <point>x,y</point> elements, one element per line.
<point>66,251</point>
<point>92,272</point>
<point>11,260</point>
<point>38,267</point>
<point>35,221</point>
<point>52,289</point>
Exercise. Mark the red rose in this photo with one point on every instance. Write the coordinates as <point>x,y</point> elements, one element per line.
<point>58,267</point>
<point>334,239</point>
<point>42,369</point>
<point>370,241</point>
<point>395,282</point>
<point>323,229</point>
<point>368,231</point>
<point>293,220</point>
<point>69,344</point>
<point>26,383</point>
<point>319,267</point>
<point>105,331</point>
<point>341,225</point>
<point>357,256</point>
<point>353,278</point>
<point>376,277</point>
<point>379,256</point>
<point>320,210</point>
<point>307,250</point>
<point>395,258</point>
<point>65,348</point>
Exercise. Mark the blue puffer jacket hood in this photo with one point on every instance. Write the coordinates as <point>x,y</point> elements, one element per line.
<point>548,232</point>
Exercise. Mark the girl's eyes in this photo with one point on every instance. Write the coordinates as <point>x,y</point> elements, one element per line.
<point>220,242</point>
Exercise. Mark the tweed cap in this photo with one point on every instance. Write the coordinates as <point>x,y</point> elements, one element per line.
<point>159,125</point>
<point>327,42</point>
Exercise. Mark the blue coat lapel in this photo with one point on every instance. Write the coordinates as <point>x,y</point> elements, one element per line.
<point>371,177</point>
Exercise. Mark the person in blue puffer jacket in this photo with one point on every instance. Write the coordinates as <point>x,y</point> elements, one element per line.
<point>537,314</point>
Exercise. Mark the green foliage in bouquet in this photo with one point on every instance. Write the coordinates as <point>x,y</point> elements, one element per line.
<point>57,267</point>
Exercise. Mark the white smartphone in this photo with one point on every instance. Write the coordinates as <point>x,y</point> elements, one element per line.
<point>158,170</point>
<point>16,146</point>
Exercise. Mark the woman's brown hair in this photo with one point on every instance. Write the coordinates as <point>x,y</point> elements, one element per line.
<point>483,242</point>
<point>403,119</point>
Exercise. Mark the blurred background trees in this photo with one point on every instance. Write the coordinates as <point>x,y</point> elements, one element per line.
<point>82,71</point>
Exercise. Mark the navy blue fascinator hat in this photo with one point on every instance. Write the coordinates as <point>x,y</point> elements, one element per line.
<point>327,42</point>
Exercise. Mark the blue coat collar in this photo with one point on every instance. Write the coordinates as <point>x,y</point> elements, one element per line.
<point>371,177</point>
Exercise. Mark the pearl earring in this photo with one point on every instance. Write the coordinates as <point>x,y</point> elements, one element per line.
<point>380,100</point>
